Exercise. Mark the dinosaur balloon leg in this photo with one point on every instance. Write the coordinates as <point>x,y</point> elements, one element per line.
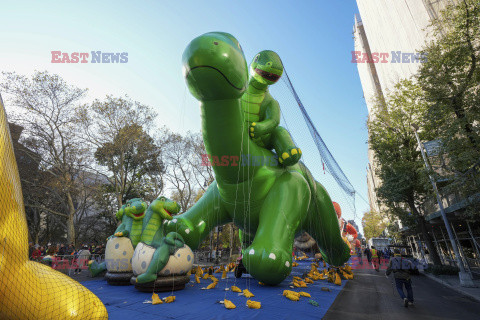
<point>279,219</point>
<point>30,290</point>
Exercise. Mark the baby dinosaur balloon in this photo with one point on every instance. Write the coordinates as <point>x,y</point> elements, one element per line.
<point>262,112</point>
<point>131,215</point>
<point>269,203</point>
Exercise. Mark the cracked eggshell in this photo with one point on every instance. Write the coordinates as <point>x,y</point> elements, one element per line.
<point>179,263</point>
<point>118,254</point>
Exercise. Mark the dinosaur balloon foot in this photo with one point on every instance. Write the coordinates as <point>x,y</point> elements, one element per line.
<point>290,157</point>
<point>96,268</point>
<point>268,265</point>
<point>146,277</point>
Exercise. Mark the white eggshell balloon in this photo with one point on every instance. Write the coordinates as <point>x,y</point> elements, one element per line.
<point>118,254</point>
<point>179,263</point>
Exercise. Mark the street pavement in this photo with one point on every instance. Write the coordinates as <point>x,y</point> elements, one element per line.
<point>373,296</point>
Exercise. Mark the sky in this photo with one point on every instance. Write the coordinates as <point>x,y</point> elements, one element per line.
<point>313,38</point>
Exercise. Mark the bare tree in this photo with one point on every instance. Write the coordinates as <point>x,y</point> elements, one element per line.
<point>125,153</point>
<point>185,174</point>
<point>45,106</point>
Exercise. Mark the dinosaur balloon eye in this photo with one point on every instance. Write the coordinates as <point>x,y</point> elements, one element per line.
<point>215,43</point>
<point>269,64</point>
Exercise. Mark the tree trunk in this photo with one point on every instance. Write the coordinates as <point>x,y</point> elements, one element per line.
<point>70,220</point>
<point>426,237</point>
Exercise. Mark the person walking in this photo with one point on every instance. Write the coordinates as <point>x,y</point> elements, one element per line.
<point>375,259</point>
<point>82,260</point>
<point>359,255</point>
<point>401,272</point>
<point>380,256</point>
<point>368,253</point>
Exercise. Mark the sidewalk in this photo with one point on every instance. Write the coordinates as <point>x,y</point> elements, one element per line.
<point>453,282</point>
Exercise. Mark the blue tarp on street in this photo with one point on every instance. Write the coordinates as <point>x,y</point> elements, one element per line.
<point>125,302</point>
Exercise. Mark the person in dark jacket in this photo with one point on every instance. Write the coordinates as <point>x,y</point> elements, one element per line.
<point>401,272</point>
<point>368,253</point>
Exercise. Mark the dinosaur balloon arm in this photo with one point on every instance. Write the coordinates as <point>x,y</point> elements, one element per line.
<point>272,114</point>
<point>195,224</point>
<point>121,228</point>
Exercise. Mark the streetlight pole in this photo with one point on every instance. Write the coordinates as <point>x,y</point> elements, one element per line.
<point>465,278</point>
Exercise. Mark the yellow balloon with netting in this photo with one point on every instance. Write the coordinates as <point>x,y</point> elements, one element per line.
<point>30,290</point>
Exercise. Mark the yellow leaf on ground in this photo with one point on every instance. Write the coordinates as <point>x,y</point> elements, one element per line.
<point>212,285</point>
<point>338,281</point>
<point>305,294</point>
<point>299,284</point>
<point>229,304</point>
<point>253,304</point>
<point>156,299</point>
<point>285,292</point>
<point>292,297</point>
<point>247,293</point>
<point>224,274</point>
<point>197,279</point>
<point>169,299</point>
<point>236,289</point>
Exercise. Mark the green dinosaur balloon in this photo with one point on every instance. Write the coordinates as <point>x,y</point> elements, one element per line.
<point>162,209</point>
<point>262,112</point>
<point>269,203</point>
<point>131,214</point>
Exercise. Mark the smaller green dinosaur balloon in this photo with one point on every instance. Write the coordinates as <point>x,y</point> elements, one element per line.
<point>131,214</point>
<point>262,111</point>
<point>160,210</point>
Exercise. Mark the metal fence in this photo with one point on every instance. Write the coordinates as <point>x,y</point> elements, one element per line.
<point>69,263</point>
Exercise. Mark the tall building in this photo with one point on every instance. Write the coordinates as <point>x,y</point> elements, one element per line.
<point>393,32</point>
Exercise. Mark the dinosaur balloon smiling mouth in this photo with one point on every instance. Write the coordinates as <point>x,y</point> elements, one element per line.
<point>267,75</point>
<point>138,214</point>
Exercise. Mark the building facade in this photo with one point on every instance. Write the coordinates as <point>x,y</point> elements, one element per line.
<point>390,34</point>
<point>394,32</point>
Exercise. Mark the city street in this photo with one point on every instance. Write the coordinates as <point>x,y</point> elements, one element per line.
<point>372,296</point>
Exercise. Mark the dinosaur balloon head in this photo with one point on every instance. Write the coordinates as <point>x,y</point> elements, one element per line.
<point>165,207</point>
<point>214,67</point>
<point>266,67</point>
<point>134,208</point>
